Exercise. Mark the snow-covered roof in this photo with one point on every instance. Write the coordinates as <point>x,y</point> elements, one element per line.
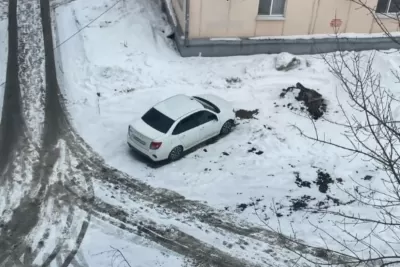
<point>178,106</point>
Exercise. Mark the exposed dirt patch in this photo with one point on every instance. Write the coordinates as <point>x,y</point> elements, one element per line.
<point>367,178</point>
<point>323,181</point>
<point>314,102</point>
<point>300,182</point>
<point>246,114</point>
<point>300,203</point>
<point>243,206</point>
<point>255,151</point>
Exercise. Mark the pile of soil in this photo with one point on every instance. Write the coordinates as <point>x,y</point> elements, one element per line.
<point>323,181</point>
<point>246,114</point>
<point>313,100</point>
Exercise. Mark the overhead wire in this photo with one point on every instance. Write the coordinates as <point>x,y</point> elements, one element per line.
<point>84,27</point>
<point>87,25</point>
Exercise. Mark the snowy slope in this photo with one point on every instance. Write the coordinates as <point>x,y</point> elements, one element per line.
<point>122,64</point>
<point>3,47</point>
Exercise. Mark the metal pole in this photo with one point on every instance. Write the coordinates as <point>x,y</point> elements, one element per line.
<point>187,19</point>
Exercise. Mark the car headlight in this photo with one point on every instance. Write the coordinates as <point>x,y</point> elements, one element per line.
<point>130,130</point>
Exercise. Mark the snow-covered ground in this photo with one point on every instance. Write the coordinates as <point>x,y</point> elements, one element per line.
<point>135,249</point>
<point>3,48</point>
<point>122,64</point>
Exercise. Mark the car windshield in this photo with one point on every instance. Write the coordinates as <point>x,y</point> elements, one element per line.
<point>207,104</point>
<point>157,120</point>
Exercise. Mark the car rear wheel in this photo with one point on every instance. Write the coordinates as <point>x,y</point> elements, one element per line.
<point>176,153</point>
<point>227,127</point>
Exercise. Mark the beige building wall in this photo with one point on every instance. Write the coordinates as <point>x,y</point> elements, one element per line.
<point>299,17</point>
<point>239,18</point>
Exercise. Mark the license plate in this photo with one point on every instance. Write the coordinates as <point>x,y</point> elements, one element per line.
<point>139,140</point>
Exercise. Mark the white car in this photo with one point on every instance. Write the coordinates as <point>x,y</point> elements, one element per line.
<point>178,124</point>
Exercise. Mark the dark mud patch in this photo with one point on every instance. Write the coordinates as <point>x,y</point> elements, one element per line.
<point>246,114</point>
<point>300,182</point>
<point>300,203</point>
<point>243,206</point>
<point>255,151</point>
<point>311,99</point>
<point>367,178</point>
<point>323,181</point>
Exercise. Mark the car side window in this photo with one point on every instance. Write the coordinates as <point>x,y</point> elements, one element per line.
<point>187,123</point>
<point>206,116</point>
<point>180,127</point>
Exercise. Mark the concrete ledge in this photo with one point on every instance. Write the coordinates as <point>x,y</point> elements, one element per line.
<point>219,48</point>
<point>246,46</point>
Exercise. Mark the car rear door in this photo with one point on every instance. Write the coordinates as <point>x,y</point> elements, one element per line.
<point>209,125</point>
<point>187,130</point>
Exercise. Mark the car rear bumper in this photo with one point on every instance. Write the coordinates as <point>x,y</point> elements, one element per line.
<point>151,154</point>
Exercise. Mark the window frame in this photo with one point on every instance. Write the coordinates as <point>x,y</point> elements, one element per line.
<point>148,118</point>
<point>270,15</point>
<point>205,117</point>
<point>187,118</point>
<point>387,9</point>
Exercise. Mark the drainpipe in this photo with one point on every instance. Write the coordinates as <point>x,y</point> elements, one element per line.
<point>187,18</point>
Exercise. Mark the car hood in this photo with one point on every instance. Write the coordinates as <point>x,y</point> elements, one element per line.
<point>222,104</point>
<point>144,129</point>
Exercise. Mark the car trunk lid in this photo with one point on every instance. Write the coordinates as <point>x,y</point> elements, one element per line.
<point>144,134</point>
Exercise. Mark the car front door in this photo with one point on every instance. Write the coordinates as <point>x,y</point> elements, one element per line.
<point>209,126</point>
<point>187,131</point>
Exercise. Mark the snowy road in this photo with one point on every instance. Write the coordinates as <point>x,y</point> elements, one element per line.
<point>33,153</point>
<point>56,187</point>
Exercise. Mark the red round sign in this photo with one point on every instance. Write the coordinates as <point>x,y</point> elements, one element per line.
<point>336,23</point>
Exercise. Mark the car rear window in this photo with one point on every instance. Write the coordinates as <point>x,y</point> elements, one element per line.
<point>157,120</point>
<point>207,104</point>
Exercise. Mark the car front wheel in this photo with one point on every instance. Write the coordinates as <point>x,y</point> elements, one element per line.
<point>176,153</point>
<point>227,127</point>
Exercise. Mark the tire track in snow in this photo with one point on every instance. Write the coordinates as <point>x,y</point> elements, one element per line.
<point>56,128</point>
<point>22,138</point>
<point>12,122</point>
<point>170,238</point>
<point>31,64</point>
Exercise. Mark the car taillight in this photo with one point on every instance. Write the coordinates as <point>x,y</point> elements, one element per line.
<point>155,145</point>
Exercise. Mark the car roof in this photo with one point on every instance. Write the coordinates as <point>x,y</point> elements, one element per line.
<point>178,106</point>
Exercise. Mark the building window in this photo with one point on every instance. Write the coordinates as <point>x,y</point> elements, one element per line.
<point>271,7</point>
<point>388,6</point>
